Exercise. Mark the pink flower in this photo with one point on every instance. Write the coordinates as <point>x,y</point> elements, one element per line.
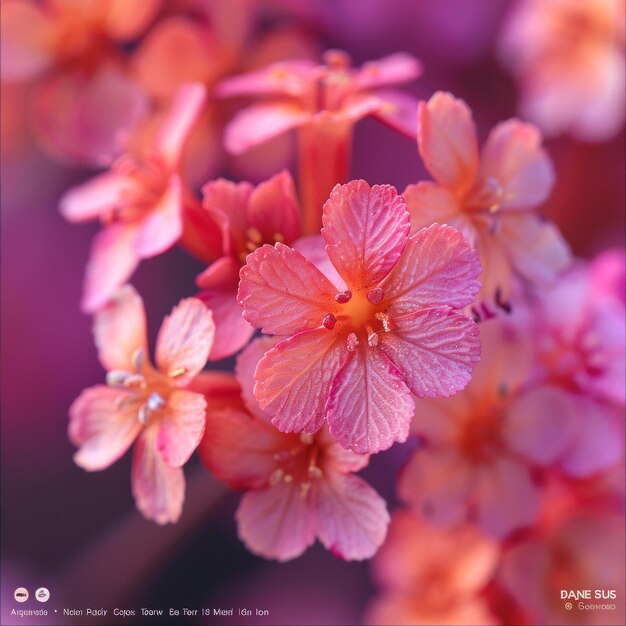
<point>248,217</point>
<point>432,576</point>
<point>569,59</point>
<point>482,447</point>
<point>488,197</point>
<point>352,355</point>
<point>150,405</point>
<point>299,487</point>
<point>83,101</point>
<point>323,102</point>
<point>139,202</point>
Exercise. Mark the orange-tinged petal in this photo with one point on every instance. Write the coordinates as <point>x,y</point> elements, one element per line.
<point>429,203</point>
<point>447,141</point>
<point>390,70</point>
<point>184,341</point>
<point>126,19</point>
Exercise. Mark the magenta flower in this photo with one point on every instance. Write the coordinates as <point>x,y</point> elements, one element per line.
<point>323,102</point>
<point>488,197</point>
<point>248,217</point>
<point>143,403</point>
<point>298,488</point>
<point>352,356</point>
<point>139,202</point>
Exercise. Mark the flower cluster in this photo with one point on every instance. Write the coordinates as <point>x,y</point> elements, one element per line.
<point>451,315</point>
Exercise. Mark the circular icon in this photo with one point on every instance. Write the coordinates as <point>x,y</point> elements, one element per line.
<point>42,594</point>
<point>21,594</point>
<point>568,606</point>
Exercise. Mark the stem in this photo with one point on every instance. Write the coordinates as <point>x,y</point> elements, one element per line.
<point>324,148</point>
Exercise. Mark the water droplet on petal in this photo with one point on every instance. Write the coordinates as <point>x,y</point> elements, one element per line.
<point>352,341</point>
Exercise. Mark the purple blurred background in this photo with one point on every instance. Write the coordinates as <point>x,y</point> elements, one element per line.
<point>78,534</point>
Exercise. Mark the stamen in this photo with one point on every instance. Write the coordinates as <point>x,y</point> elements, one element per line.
<point>329,321</point>
<point>117,378</point>
<point>505,306</point>
<point>287,478</point>
<point>143,414</point>
<point>138,359</point>
<point>343,297</point>
<point>375,296</point>
<point>251,246</point>
<point>155,402</point>
<point>372,337</point>
<point>276,477</point>
<point>352,342</point>
<point>253,234</point>
<point>278,237</point>
<point>306,439</point>
<point>177,372</point>
<point>388,324</point>
<point>315,472</point>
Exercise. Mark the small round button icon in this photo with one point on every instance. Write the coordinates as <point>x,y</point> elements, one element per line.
<point>21,594</point>
<point>42,594</point>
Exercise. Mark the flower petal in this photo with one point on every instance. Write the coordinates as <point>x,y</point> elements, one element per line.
<point>365,229</point>
<point>260,122</point>
<point>313,248</point>
<point>369,406</point>
<point>276,522</point>
<point>163,225</point>
<point>219,294</point>
<point>112,260</point>
<point>273,209</point>
<point>187,105</point>
<point>429,203</point>
<point>351,518</point>
<point>438,268</point>
<point>283,293</point>
<point>535,246</point>
<point>434,350</point>
<point>398,110</point>
<point>513,156</point>
<point>181,427</point>
<point>102,427</point>
<point>126,19</point>
<point>158,489</point>
<point>446,139</point>
<point>239,449</point>
<point>390,70</point>
<point>538,425</point>
<point>244,371</point>
<point>184,341</point>
<point>120,330</point>
<point>293,379</point>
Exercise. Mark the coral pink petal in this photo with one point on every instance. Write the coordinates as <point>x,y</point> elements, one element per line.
<point>273,209</point>
<point>283,293</point>
<point>126,19</point>
<point>244,371</point>
<point>102,427</point>
<point>226,202</point>
<point>429,203</point>
<point>540,424</point>
<point>447,141</point>
<point>351,518</point>
<point>187,105</point>
<point>313,248</point>
<point>112,261</point>
<point>438,267</point>
<point>365,229</point>
<point>119,330</point>
<point>184,341</point>
<point>181,426</point>
<point>239,449</point>
<point>276,522</point>
<point>434,350</point>
<point>513,156</point>
<point>291,78</point>
<point>260,122</point>
<point>390,70</point>
<point>599,442</point>
<point>96,197</point>
<point>27,33</point>
<point>163,225</point>
<point>369,407</point>
<point>536,248</point>
<point>158,489</point>
<point>294,378</point>
<point>337,458</point>
<point>506,499</point>
<point>219,294</point>
<point>398,110</point>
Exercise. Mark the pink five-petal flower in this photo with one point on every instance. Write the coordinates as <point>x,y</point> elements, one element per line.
<point>248,217</point>
<point>299,488</point>
<point>143,403</point>
<point>323,102</point>
<point>488,197</point>
<point>139,203</point>
<point>353,357</point>
<point>482,446</point>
